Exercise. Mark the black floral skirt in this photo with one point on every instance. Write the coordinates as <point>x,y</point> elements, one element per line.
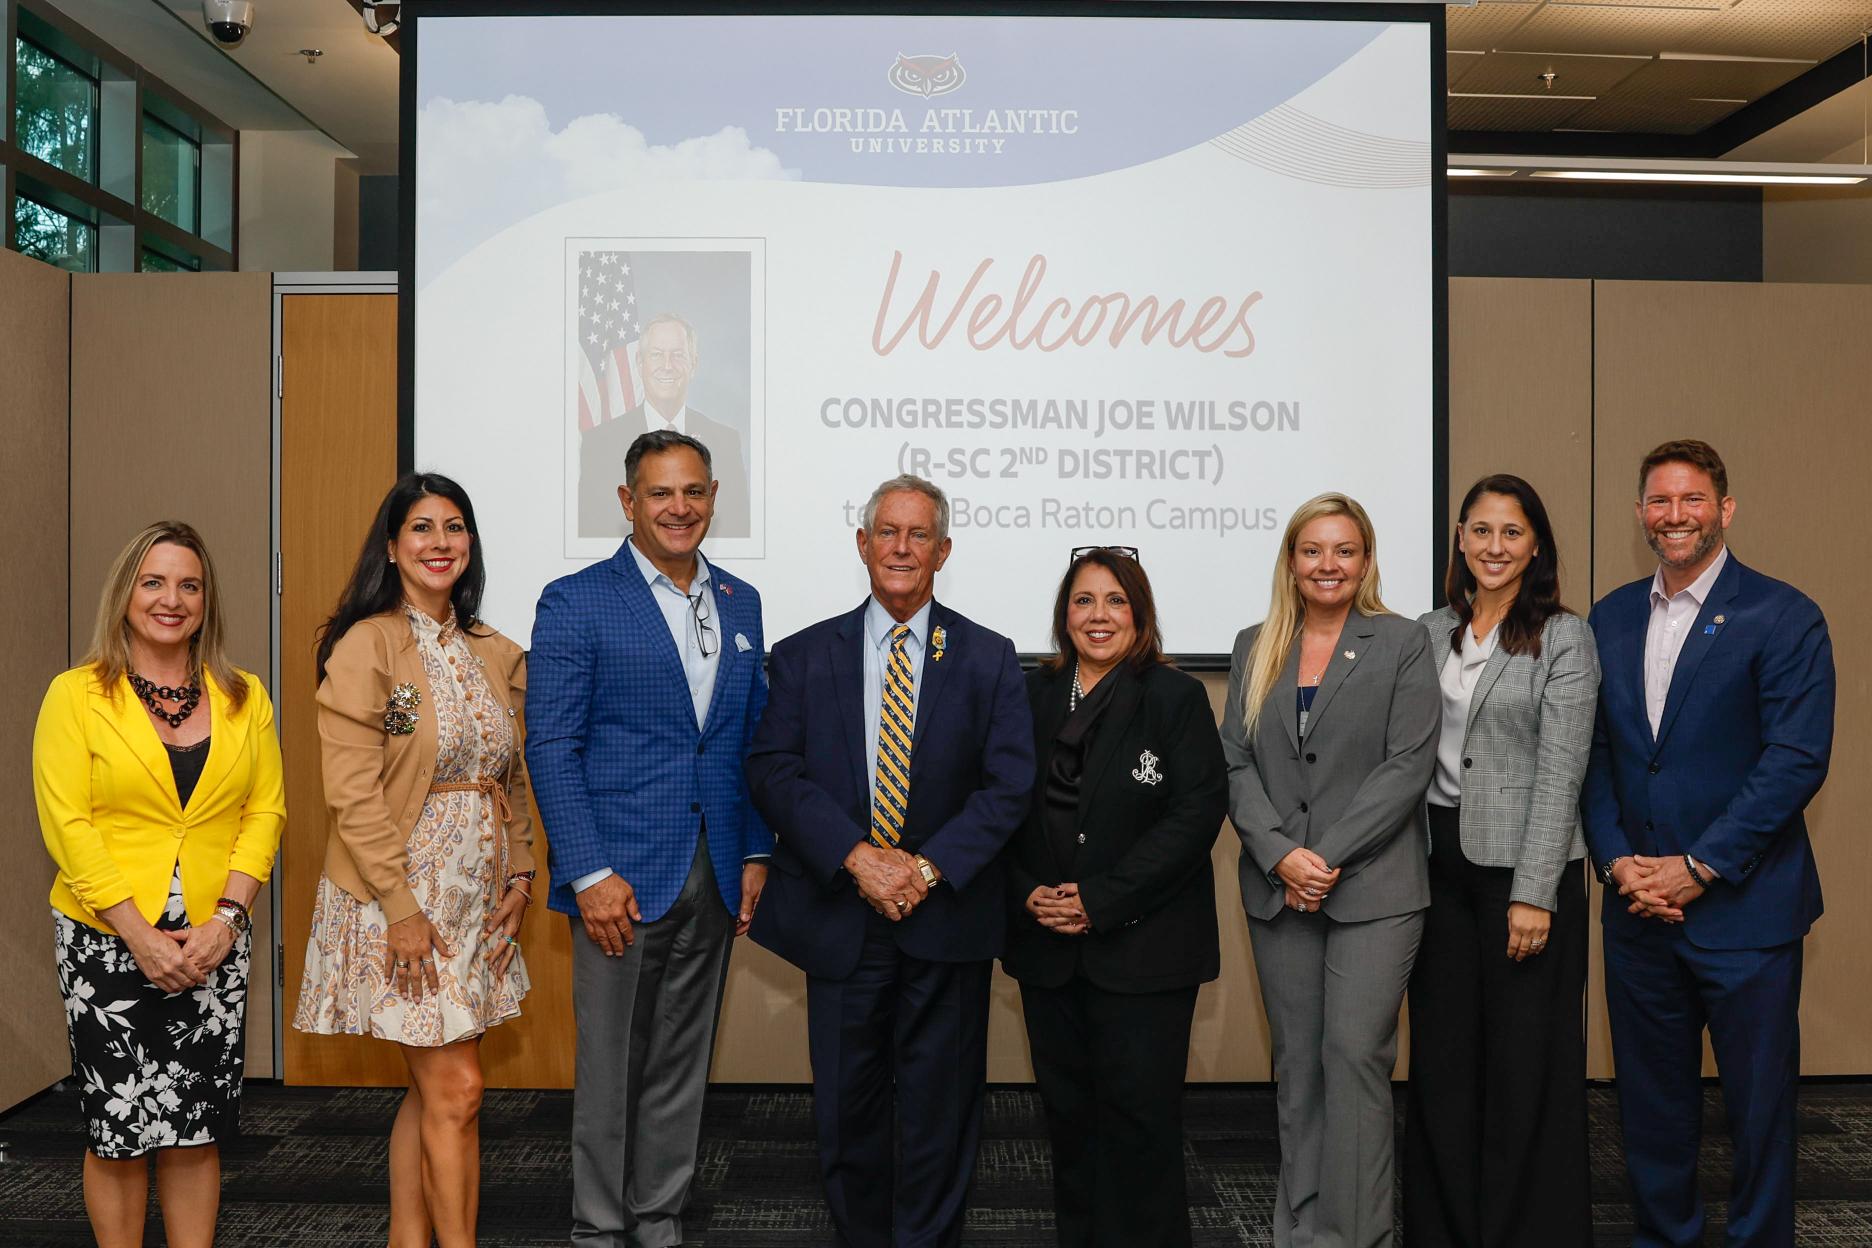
<point>157,1069</point>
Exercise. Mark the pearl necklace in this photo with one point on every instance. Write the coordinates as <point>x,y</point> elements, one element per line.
<point>1078,692</point>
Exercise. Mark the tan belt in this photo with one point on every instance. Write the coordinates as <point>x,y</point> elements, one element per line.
<point>493,790</point>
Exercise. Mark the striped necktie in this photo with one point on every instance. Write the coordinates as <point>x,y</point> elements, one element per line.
<point>890,799</point>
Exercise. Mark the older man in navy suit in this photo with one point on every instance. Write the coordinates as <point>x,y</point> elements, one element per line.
<point>646,684</point>
<point>893,762</point>
<point>1714,728</point>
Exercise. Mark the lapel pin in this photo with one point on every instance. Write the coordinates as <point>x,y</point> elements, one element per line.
<point>728,589</point>
<point>1351,654</point>
<point>1720,619</point>
<point>939,640</point>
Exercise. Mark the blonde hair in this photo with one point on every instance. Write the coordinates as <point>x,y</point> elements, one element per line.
<point>109,656</point>
<point>1287,609</point>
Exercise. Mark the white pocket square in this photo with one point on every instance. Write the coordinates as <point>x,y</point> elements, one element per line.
<point>741,643</point>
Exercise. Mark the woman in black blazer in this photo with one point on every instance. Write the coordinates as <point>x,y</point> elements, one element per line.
<point>1115,925</point>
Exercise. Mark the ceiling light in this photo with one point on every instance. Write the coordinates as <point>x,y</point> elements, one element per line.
<point>1736,179</point>
<point>1684,172</point>
<point>1480,173</point>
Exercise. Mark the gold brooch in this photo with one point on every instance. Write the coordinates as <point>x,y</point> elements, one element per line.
<point>938,641</point>
<point>400,716</point>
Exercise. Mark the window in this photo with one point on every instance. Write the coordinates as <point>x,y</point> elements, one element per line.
<point>104,168</point>
<point>53,236</point>
<point>155,260</point>
<point>56,110</point>
<point>171,174</point>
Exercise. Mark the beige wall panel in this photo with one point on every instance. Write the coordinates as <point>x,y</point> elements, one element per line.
<point>171,419</point>
<point>1773,376</point>
<point>1521,370</point>
<point>1811,234</point>
<point>34,365</point>
<point>1521,402</point>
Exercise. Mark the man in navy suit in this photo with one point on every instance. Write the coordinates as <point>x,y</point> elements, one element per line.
<point>1714,726</point>
<point>886,890</point>
<point>646,684</point>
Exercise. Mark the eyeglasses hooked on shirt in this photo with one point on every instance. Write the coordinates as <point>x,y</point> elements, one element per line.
<point>702,616</point>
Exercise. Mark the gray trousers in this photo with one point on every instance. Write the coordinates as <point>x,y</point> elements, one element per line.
<point>646,1030</point>
<point>1332,992</point>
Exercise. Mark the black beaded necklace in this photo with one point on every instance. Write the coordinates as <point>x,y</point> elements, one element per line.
<point>155,695</point>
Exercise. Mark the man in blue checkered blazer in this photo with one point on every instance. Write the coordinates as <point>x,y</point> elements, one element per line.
<point>646,684</point>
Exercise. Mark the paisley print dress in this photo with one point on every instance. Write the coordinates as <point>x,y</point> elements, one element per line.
<point>457,868</point>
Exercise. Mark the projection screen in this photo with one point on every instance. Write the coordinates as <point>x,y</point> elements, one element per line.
<point>1106,276</point>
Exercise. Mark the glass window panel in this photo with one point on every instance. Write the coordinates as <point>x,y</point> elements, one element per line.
<point>55,111</point>
<point>155,261</point>
<point>171,175</point>
<point>50,235</point>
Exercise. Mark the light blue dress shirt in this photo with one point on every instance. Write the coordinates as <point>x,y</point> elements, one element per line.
<point>698,668</point>
<point>877,628</point>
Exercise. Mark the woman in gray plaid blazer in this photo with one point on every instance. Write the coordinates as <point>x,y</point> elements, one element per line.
<point>1495,1141</point>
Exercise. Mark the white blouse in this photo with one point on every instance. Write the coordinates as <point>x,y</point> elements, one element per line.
<point>1461,670</point>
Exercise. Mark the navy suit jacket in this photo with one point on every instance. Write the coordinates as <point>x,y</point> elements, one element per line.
<point>971,768</point>
<point>1741,749</point>
<point>623,774</point>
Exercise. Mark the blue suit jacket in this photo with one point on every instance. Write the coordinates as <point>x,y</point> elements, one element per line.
<point>971,768</point>
<point>622,775</point>
<point>1741,749</point>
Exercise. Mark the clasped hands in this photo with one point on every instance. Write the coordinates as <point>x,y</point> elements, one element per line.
<point>1059,908</point>
<point>1657,888</point>
<point>178,960</point>
<point>888,879</point>
<point>1306,878</point>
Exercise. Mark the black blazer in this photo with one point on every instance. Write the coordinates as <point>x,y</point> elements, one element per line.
<point>1149,825</point>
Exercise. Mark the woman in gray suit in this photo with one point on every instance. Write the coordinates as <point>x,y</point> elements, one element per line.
<point>1330,734</point>
<point>1495,1143</point>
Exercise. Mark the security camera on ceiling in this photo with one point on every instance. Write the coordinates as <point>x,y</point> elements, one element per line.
<point>382,17</point>
<point>228,20</point>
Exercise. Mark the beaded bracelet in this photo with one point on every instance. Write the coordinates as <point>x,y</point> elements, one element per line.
<point>1691,866</point>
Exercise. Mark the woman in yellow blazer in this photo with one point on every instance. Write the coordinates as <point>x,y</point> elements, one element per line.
<point>156,772</point>
<point>429,867</point>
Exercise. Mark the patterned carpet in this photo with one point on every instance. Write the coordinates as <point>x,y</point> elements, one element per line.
<point>309,1169</point>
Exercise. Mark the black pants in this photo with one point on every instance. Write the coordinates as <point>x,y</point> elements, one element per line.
<point>1495,1135</point>
<point>1110,1069</point>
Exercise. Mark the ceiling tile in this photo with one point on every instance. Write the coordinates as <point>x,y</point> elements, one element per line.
<point>1480,27</point>
<point>1579,28</point>
<point>1458,64</point>
<point>1780,28</point>
<point>1518,113</point>
<point>1574,75</point>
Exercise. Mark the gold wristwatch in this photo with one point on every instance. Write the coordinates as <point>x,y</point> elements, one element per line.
<point>928,869</point>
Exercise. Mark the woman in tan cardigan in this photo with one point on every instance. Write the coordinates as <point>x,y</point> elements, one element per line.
<point>428,869</point>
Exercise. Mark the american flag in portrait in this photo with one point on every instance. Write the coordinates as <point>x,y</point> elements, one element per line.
<point>608,329</point>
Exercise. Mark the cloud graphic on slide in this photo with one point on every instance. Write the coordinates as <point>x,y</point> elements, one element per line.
<point>481,166</point>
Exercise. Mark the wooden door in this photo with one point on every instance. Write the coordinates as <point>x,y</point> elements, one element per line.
<point>337,458</point>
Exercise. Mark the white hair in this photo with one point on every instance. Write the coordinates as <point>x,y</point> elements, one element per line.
<point>915,485</point>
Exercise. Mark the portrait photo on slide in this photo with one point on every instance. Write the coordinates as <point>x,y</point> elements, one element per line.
<point>663,334</point>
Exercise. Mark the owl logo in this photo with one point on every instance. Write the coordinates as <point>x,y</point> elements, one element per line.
<point>926,75</point>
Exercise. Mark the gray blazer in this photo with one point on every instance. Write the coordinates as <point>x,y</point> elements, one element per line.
<point>1524,755</point>
<point>1352,792</point>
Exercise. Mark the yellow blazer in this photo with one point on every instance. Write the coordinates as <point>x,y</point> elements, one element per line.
<point>108,807</point>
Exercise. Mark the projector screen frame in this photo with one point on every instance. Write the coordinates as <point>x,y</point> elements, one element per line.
<point>1430,14</point>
